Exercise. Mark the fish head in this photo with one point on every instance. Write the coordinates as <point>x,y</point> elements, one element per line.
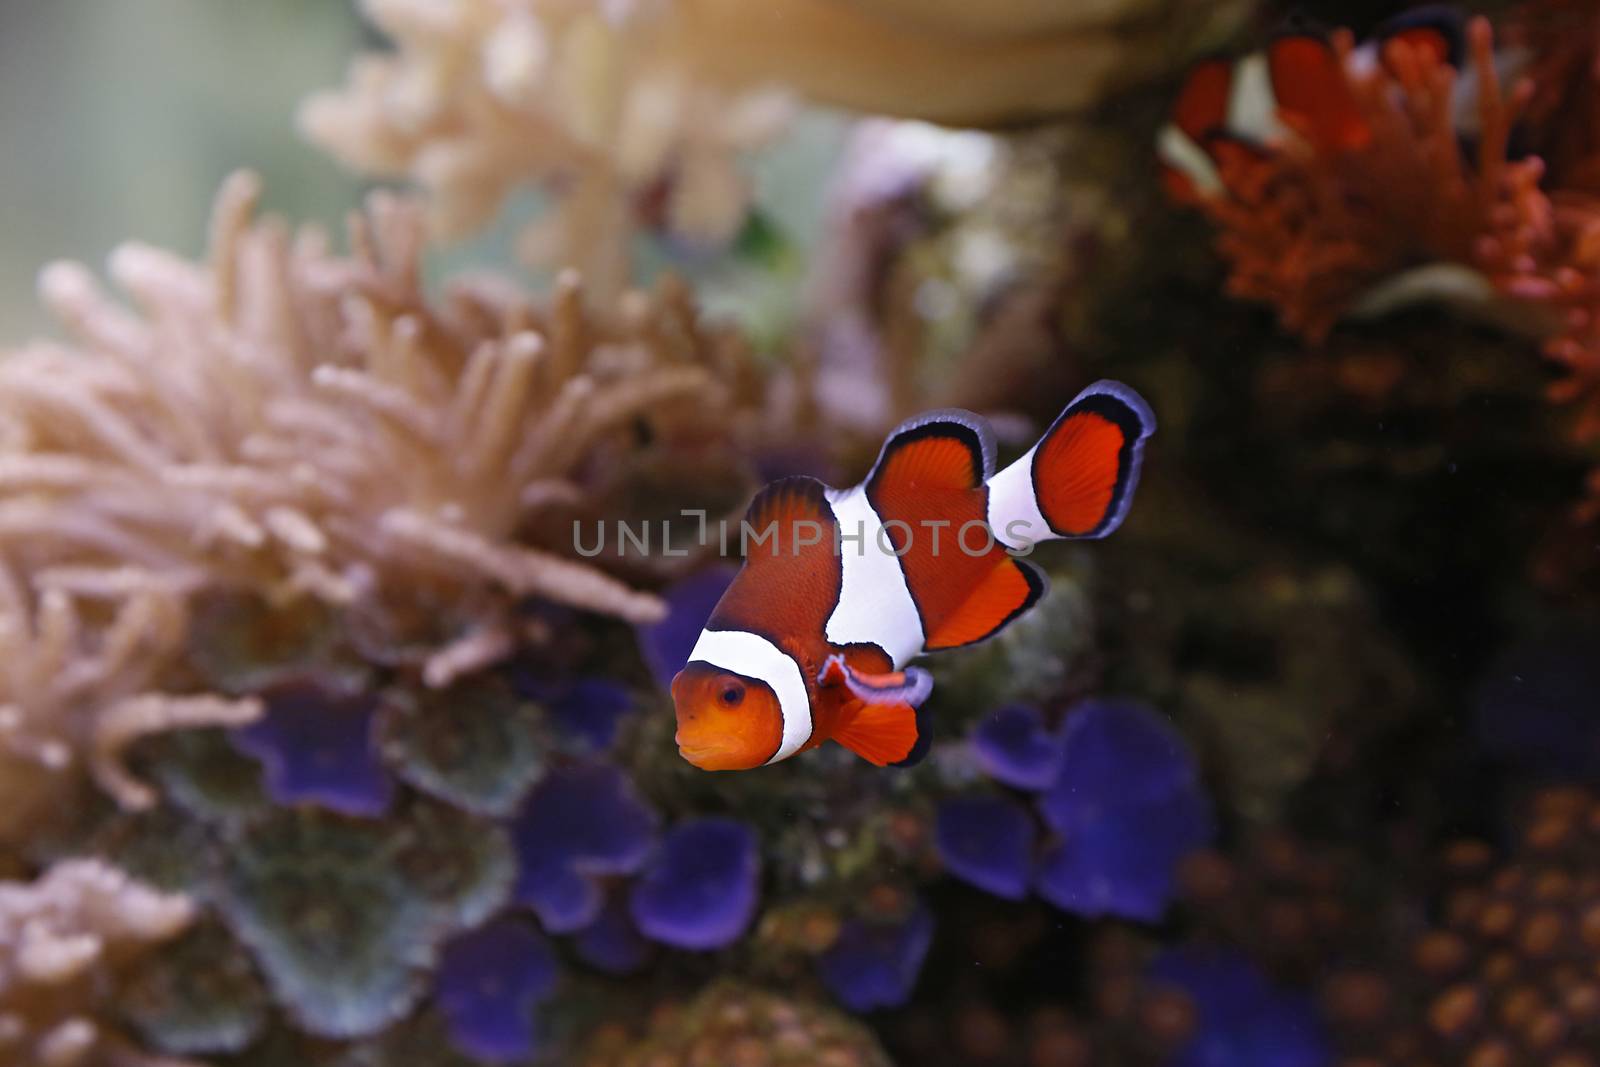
<point>726,721</point>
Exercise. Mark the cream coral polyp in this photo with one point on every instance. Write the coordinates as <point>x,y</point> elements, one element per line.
<point>287,422</point>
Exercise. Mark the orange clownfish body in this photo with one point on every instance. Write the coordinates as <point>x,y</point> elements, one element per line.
<point>840,589</point>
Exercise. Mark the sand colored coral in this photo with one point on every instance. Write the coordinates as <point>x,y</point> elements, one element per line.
<point>299,425</point>
<point>81,677</point>
<point>594,104</point>
<point>64,940</point>
<point>636,114</point>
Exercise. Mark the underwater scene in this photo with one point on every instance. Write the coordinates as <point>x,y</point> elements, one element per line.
<point>799,533</point>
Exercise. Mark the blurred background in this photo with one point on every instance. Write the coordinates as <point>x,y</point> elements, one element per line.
<point>118,120</point>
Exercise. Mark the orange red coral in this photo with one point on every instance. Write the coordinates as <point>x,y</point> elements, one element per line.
<point>1313,224</point>
<point>1309,223</point>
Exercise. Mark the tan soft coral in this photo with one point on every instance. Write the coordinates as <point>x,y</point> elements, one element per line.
<point>631,114</point>
<point>592,103</point>
<point>80,680</point>
<point>294,424</point>
<point>66,939</point>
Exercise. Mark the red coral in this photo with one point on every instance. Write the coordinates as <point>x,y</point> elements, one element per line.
<point>1310,225</point>
<point>1562,121</point>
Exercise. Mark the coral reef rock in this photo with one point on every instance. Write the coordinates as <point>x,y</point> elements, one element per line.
<point>730,1024</point>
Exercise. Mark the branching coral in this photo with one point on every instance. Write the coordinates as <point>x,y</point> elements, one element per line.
<point>64,941</point>
<point>76,689</point>
<point>302,426</point>
<point>1562,120</point>
<point>595,104</point>
<point>1318,226</point>
<point>636,113</point>
<point>1310,223</point>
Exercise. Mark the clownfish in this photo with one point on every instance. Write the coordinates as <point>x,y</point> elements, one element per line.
<point>1237,107</point>
<point>843,587</point>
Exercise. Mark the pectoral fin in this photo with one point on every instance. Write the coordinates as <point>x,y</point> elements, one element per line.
<point>882,724</point>
<point>881,734</point>
<point>909,686</point>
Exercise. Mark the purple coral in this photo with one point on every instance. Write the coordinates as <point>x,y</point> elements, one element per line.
<point>1128,805</point>
<point>1115,752</point>
<point>612,943</point>
<point>1120,790</point>
<point>1014,747</point>
<point>317,744</point>
<point>1241,1020</point>
<point>987,841</point>
<point>700,890</point>
<point>488,986</point>
<point>667,644</point>
<point>875,965</point>
<point>578,824</point>
<point>590,710</point>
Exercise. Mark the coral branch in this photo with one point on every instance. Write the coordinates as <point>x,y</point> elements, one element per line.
<point>286,422</point>
<point>64,941</point>
<point>604,110</point>
<point>1317,228</point>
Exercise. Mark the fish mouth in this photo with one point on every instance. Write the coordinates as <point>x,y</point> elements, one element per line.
<point>702,755</point>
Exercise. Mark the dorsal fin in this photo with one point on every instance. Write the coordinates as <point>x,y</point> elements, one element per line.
<point>928,491</point>
<point>797,497</point>
<point>790,580</point>
<point>1008,591</point>
<point>948,449</point>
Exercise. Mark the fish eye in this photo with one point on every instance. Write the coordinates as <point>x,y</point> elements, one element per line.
<point>732,693</point>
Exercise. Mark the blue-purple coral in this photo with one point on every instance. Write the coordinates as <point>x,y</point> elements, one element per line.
<point>1241,1020</point>
<point>318,744</point>
<point>1127,806</point>
<point>701,889</point>
<point>1120,791</point>
<point>488,987</point>
<point>875,965</point>
<point>588,710</point>
<point>580,823</point>
<point>987,841</point>
<point>1014,747</point>
<point>612,943</point>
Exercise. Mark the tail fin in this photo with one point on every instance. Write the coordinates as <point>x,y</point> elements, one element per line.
<point>1078,481</point>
